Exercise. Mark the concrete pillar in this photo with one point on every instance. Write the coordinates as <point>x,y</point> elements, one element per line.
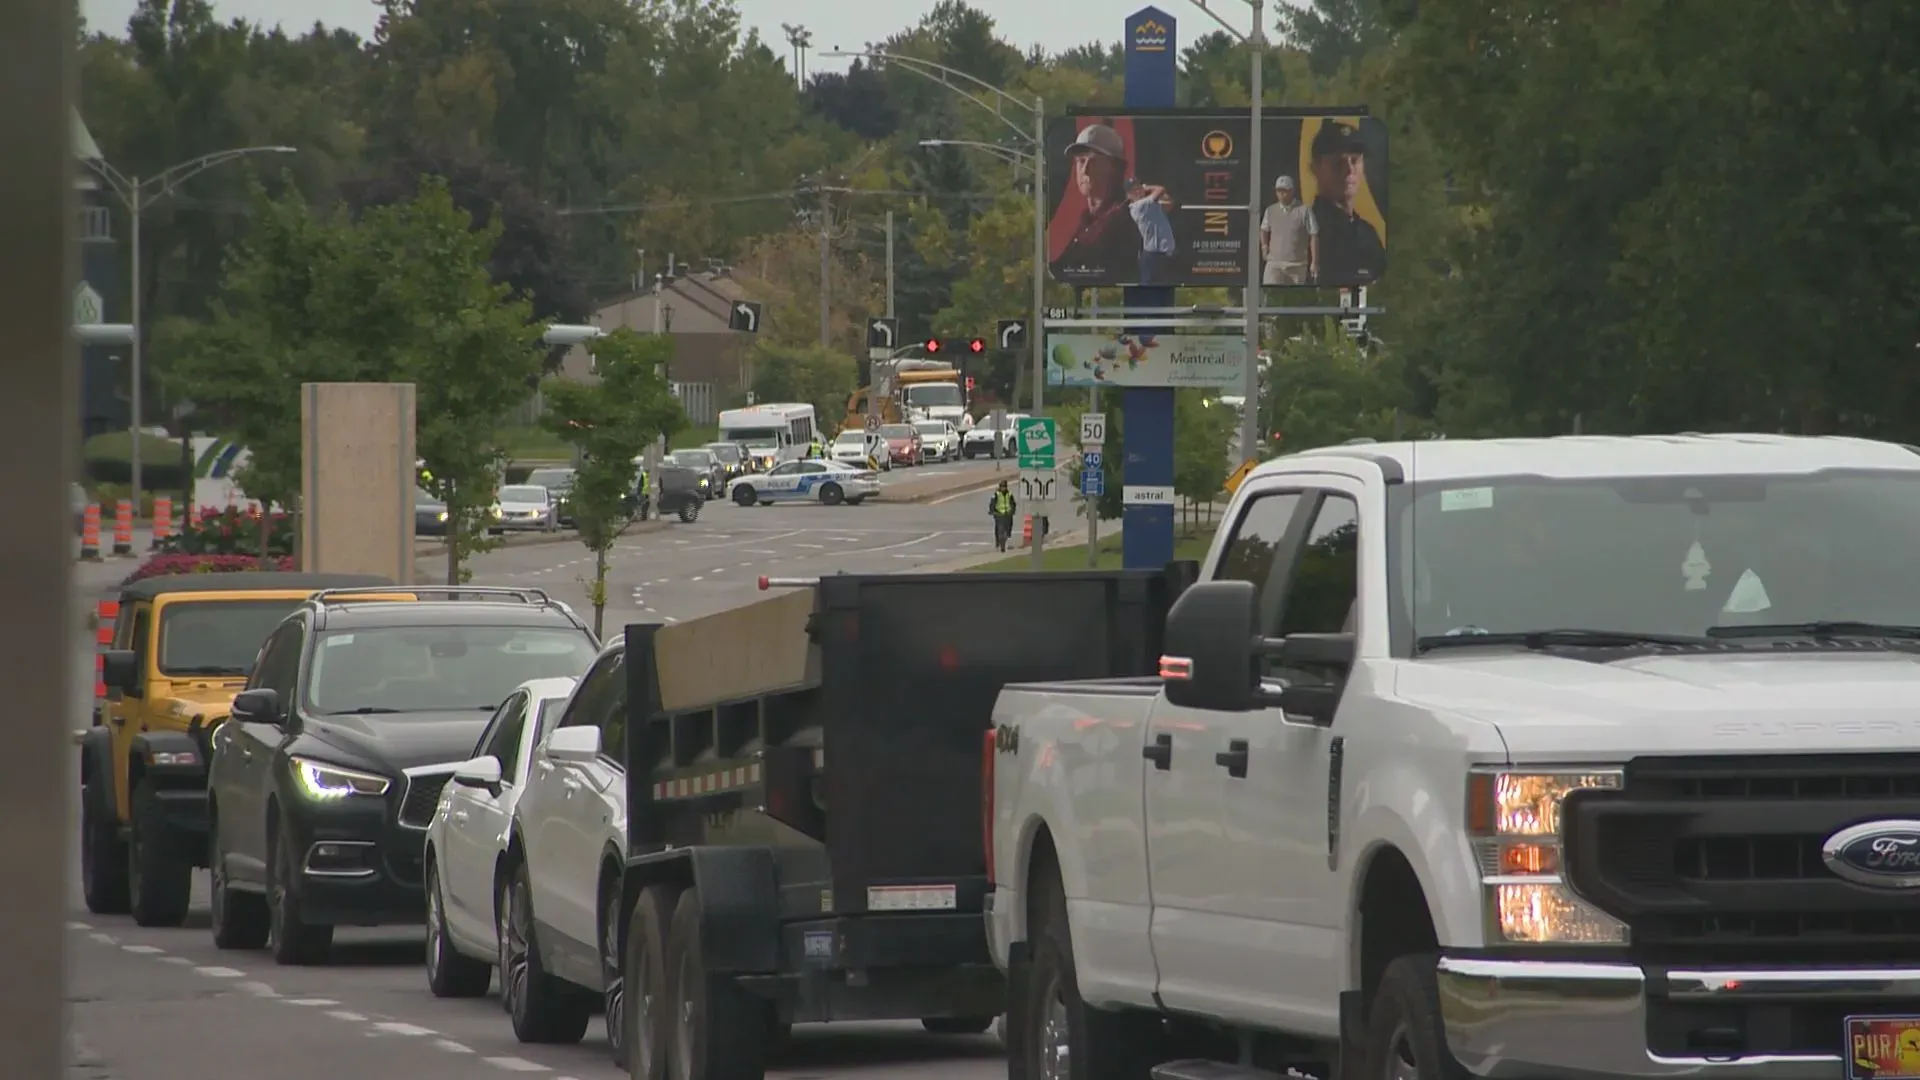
<point>357,479</point>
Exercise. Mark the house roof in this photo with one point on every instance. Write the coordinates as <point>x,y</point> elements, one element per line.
<point>84,148</point>
<point>713,293</point>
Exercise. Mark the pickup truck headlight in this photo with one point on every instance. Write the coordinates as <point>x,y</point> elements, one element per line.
<point>1514,818</point>
<point>324,783</point>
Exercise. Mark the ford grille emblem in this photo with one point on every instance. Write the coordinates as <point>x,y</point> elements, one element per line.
<point>1878,854</point>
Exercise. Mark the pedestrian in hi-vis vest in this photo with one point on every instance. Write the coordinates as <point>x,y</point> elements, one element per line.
<point>1002,506</point>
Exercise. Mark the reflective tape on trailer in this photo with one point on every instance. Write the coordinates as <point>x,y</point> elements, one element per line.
<point>719,780</point>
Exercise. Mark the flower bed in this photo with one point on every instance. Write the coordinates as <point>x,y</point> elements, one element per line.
<point>233,531</point>
<point>187,563</point>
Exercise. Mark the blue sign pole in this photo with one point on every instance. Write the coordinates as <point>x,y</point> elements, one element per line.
<point>1146,523</point>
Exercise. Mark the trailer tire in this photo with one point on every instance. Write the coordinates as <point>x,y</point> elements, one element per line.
<point>647,1006</point>
<point>720,1031</point>
<point>956,1025</point>
<point>1098,1045</point>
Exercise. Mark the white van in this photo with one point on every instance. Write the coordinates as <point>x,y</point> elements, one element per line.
<point>772,433</point>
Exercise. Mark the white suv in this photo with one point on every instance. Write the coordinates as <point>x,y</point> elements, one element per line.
<point>468,837</point>
<point>566,850</point>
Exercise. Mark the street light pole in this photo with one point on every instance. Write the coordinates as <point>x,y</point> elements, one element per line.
<point>1250,410</point>
<point>137,194</point>
<point>1036,335</point>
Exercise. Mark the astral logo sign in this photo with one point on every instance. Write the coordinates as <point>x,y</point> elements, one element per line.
<point>1877,854</point>
<point>1150,36</point>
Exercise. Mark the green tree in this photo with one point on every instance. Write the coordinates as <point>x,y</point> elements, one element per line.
<point>1324,389</point>
<point>1202,432</point>
<point>610,423</point>
<point>811,376</point>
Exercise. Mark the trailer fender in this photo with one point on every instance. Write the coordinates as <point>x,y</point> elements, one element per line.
<point>739,901</point>
<point>172,758</point>
<point>96,771</point>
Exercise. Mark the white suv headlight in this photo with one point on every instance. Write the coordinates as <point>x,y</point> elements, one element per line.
<point>1514,819</point>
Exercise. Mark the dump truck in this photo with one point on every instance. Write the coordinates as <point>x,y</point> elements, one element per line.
<point>908,390</point>
<point>804,784</point>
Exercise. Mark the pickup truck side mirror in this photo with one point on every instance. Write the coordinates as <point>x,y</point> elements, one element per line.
<point>120,670</point>
<point>261,706</point>
<point>1330,655</point>
<point>1212,638</point>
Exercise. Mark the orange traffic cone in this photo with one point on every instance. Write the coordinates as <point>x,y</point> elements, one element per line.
<point>90,533</point>
<point>162,521</point>
<point>1026,532</point>
<point>123,527</point>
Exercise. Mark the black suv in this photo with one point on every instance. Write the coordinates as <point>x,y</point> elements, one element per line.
<point>358,710</point>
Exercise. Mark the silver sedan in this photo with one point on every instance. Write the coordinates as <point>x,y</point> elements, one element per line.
<point>526,508</point>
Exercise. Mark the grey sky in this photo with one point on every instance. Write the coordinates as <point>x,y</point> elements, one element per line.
<point>847,24</point>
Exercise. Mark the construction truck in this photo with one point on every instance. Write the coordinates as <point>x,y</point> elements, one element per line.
<point>804,784</point>
<point>907,390</point>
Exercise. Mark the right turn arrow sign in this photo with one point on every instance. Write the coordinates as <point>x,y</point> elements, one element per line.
<point>1013,333</point>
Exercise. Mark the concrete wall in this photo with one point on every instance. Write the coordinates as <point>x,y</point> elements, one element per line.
<point>357,479</point>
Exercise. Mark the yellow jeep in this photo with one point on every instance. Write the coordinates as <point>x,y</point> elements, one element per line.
<point>182,647</point>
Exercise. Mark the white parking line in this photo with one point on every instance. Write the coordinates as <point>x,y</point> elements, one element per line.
<point>514,1064</point>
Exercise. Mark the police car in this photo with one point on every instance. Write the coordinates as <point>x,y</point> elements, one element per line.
<point>829,482</point>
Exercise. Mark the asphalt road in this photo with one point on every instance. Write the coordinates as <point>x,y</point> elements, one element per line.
<point>679,571</point>
<point>166,1005</point>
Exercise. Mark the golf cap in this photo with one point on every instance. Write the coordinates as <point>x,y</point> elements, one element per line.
<point>1283,183</point>
<point>1335,137</point>
<point>1099,139</point>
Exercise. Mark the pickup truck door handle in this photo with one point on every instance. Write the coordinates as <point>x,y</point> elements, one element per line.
<point>1233,758</point>
<point>1160,752</point>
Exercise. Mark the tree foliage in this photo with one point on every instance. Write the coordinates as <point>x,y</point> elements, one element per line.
<point>823,378</point>
<point>610,422</point>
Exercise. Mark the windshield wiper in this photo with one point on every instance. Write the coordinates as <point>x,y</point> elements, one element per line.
<point>1568,637</point>
<point>1837,628</point>
<point>364,710</point>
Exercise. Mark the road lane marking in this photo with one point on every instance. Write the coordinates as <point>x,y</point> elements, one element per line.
<point>78,926</point>
<point>180,960</point>
<point>105,939</point>
<point>452,1047</point>
<point>395,1027</point>
<point>311,1002</point>
<point>144,950</point>
<point>514,1064</point>
<point>348,1015</point>
<point>219,972</point>
<point>259,989</point>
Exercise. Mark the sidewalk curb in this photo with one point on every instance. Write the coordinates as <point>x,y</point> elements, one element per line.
<point>927,497</point>
<point>1068,537</point>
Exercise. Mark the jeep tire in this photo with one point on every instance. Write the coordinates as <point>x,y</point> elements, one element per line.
<point>103,855</point>
<point>159,874</point>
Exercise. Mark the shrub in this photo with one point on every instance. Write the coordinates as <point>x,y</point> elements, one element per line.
<point>233,531</point>
<point>171,563</point>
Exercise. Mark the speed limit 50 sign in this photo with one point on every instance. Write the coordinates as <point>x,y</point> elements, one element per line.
<point>1093,430</point>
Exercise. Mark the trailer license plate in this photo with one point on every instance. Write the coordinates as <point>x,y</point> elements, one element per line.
<point>1883,1048</point>
<point>912,898</point>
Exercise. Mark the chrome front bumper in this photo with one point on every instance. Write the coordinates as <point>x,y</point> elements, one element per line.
<point>1513,1019</point>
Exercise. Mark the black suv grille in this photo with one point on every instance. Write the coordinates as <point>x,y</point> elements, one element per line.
<point>422,798</point>
<point>1711,859</point>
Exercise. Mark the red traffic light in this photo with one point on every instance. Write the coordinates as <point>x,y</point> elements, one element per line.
<point>969,384</point>
<point>933,345</point>
<point>976,345</point>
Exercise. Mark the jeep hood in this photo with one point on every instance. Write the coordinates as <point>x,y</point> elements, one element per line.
<point>208,702</point>
<point>1559,707</point>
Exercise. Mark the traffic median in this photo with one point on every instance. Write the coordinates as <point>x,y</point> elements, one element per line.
<point>437,545</point>
<point>935,488</point>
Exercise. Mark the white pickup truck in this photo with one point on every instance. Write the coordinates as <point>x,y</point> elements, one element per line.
<point>1571,757</point>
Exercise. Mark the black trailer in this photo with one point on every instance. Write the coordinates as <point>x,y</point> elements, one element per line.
<point>815,853</point>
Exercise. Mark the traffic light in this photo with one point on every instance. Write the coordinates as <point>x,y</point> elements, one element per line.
<point>976,346</point>
<point>965,346</point>
<point>969,384</point>
<point>932,345</point>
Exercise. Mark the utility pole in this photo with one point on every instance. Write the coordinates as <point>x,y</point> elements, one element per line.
<point>826,264</point>
<point>1036,330</point>
<point>889,264</point>
<point>1250,415</point>
<point>1093,505</point>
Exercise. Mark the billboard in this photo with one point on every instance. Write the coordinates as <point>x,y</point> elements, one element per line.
<point>1159,197</point>
<point>1141,360</point>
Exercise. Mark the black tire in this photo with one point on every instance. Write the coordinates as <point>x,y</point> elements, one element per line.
<point>856,500</point>
<point>690,513</point>
<point>743,495</point>
<point>159,873</point>
<point>613,986</point>
<point>240,920</point>
<point>1099,1045</point>
<point>1403,1021</point>
<point>544,1009</point>
<point>956,1025</point>
<point>450,972</point>
<point>103,855</point>
<point>647,1008</point>
<point>831,494</point>
<point>721,1032</point>
<point>296,942</point>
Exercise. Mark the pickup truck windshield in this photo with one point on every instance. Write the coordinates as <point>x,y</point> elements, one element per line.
<point>399,669</point>
<point>1662,555</point>
<point>217,637</point>
<point>931,395</point>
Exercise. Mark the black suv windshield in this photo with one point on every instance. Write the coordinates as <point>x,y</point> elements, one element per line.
<point>217,637</point>
<point>437,668</point>
<point>1668,555</point>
